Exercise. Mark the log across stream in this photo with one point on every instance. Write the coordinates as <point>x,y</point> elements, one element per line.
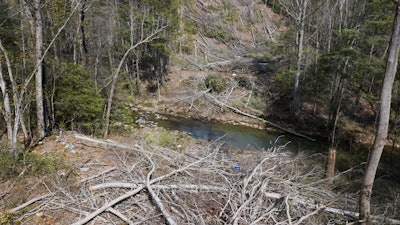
<point>243,137</point>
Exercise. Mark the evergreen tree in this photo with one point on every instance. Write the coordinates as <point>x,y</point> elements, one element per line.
<point>76,104</point>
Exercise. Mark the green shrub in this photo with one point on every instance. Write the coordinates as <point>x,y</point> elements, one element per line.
<point>8,165</point>
<point>190,27</point>
<point>166,139</point>
<point>40,165</point>
<point>7,218</point>
<point>122,118</point>
<point>76,103</point>
<point>285,78</point>
<point>218,33</point>
<point>215,83</point>
<point>34,165</point>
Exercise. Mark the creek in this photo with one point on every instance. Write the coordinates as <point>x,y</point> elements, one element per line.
<point>348,155</point>
<point>237,136</point>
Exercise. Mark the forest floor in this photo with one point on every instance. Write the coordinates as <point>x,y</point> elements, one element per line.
<point>127,179</point>
<point>134,179</point>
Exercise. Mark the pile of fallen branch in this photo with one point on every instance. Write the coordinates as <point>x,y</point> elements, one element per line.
<point>153,185</point>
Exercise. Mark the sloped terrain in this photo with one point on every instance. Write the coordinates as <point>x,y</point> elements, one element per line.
<point>227,39</point>
<point>125,180</point>
<point>220,32</point>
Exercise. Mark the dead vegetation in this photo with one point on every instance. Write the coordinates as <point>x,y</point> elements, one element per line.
<point>141,184</point>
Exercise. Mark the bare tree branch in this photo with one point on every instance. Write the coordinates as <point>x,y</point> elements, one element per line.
<point>16,209</point>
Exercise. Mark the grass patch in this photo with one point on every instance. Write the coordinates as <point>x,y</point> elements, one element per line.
<point>256,101</point>
<point>28,163</point>
<point>166,139</point>
<point>7,218</point>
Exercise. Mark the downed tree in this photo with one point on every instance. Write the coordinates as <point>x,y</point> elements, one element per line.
<point>153,185</point>
<point>30,202</point>
<point>147,184</point>
<point>221,104</point>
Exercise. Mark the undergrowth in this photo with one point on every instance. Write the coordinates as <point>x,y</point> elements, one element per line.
<point>166,139</point>
<point>26,163</point>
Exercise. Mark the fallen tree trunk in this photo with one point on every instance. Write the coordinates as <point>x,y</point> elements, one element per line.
<point>135,191</point>
<point>166,187</point>
<point>16,209</point>
<point>272,195</point>
<point>322,207</point>
<point>108,205</point>
<point>257,186</point>
<point>168,217</point>
<point>256,117</point>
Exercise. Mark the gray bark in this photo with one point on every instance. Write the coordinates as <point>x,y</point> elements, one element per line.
<point>383,123</point>
<point>160,27</point>
<point>297,10</point>
<point>300,49</point>
<point>12,124</point>
<point>6,109</point>
<point>39,72</point>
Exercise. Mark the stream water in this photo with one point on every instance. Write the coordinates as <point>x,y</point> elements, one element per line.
<point>348,156</point>
<point>238,136</point>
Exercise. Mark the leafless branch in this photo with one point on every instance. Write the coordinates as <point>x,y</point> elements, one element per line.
<point>156,199</point>
<point>16,209</point>
<point>154,185</point>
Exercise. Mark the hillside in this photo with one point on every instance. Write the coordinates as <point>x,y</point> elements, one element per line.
<point>228,40</point>
<point>222,31</point>
<point>235,41</point>
<point>227,61</point>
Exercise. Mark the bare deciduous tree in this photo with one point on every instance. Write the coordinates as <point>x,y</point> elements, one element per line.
<point>383,123</point>
<point>158,26</point>
<point>14,117</point>
<point>12,123</point>
<point>297,11</point>
<point>38,27</point>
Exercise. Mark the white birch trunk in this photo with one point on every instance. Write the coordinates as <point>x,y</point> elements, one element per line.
<point>12,125</point>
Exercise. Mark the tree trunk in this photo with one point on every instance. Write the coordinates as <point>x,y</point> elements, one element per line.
<point>6,109</point>
<point>331,162</point>
<point>300,49</point>
<point>146,39</point>
<point>383,123</point>
<point>138,83</point>
<point>39,72</point>
<point>330,165</point>
<point>12,129</point>
<point>112,89</point>
<point>84,50</point>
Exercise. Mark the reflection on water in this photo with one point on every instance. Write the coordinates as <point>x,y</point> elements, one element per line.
<point>243,137</point>
<point>238,136</point>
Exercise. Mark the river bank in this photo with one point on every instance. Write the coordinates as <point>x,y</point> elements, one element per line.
<point>308,127</point>
<point>181,96</point>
